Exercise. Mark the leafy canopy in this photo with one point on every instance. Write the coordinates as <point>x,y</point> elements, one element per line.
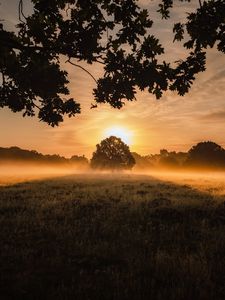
<point>113,33</point>
<point>207,154</point>
<point>112,153</point>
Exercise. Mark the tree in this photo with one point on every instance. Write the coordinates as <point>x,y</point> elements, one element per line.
<point>164,153</point>
<point>112,153</point>
<point>113,33</point>
<point>142,162</point>
<point>206,154</point>
<point>80,161</point>
<point>168,162</point>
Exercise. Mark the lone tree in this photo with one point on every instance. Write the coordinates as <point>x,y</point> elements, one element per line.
<point>206,154</point>
<point>113,33</point>
<point>113,154</point>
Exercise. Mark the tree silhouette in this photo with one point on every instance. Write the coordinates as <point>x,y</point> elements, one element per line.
<point>112,153</point>
<point>81,161</point>
<point>206,154</point>
<point>113,33</point>
<point>14,154</point>
<point>141,162</point>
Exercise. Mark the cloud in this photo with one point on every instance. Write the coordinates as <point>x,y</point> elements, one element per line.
<point>217,116</point>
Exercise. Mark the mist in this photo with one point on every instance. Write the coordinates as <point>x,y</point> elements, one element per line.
<point>12,172</point>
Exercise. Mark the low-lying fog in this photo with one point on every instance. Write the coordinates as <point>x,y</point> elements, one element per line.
<point>17,173</point>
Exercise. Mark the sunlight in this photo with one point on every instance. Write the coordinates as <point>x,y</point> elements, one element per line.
<point>121,132</point>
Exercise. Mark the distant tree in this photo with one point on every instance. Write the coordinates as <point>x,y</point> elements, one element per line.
<point>81,161</point>
<point>181,157</point>
<point>206,154</point>
<point>164,153</point>
<point>168,161</point>
<point>112,153</point>
<point>141,162</point>
<point>113,33</point>
<point>31,156</point>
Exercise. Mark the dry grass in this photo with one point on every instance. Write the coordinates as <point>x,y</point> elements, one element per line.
<point>111,237</point>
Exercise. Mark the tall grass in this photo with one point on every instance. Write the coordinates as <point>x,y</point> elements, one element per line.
<point>111,237</point>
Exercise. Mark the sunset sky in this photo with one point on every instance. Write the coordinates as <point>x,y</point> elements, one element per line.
<point>174,123</point>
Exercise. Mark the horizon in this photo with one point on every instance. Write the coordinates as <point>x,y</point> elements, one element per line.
<point>130,148</point>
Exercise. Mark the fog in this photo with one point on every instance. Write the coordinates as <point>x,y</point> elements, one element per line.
<point>207,181</point>
<point>12,173</point>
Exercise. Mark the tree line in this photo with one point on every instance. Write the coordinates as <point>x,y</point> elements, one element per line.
<point>17,154</point>
<point>204,155</point>
<point>113,154</point>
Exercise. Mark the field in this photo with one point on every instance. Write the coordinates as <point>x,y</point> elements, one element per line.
<point>113,236</point>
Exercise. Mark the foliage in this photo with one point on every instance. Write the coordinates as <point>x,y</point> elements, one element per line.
<point>165,159</point>
<point>16,154</point>
<point>112,153</point>
<point>79,160</point>
<point>206,154</point>
<point>114,33</point>
<point>169,162</point>
<point>142,162</point>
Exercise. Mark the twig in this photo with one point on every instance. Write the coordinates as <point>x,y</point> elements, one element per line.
<point>100,62</point>
<point>20,9</point>
<point>37,106</point>
<point>76,65</point>
<point>93,106</point>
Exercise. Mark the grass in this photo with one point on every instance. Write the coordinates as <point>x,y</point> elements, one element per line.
<point>111,237</point>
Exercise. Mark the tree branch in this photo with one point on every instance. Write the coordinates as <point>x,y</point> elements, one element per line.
<point>20,9</point>
<point>11,43</point>
<point>76,65</point>
<point>36,106</point>
<point>100,62</point>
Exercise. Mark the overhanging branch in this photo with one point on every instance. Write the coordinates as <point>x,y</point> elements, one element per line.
<point>76,65</point>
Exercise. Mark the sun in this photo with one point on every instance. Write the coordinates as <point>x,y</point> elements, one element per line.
<point>121,132</point>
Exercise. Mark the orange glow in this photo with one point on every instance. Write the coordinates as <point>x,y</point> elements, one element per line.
<point>121,132</point>
<point>174,123</point>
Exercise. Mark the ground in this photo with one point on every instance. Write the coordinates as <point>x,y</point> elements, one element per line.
<point>113,236</point>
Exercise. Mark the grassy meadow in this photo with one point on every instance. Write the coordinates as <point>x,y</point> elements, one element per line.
<point>112,236</point>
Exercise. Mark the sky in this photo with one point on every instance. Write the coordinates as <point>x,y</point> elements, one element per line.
<point>147,125</point>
